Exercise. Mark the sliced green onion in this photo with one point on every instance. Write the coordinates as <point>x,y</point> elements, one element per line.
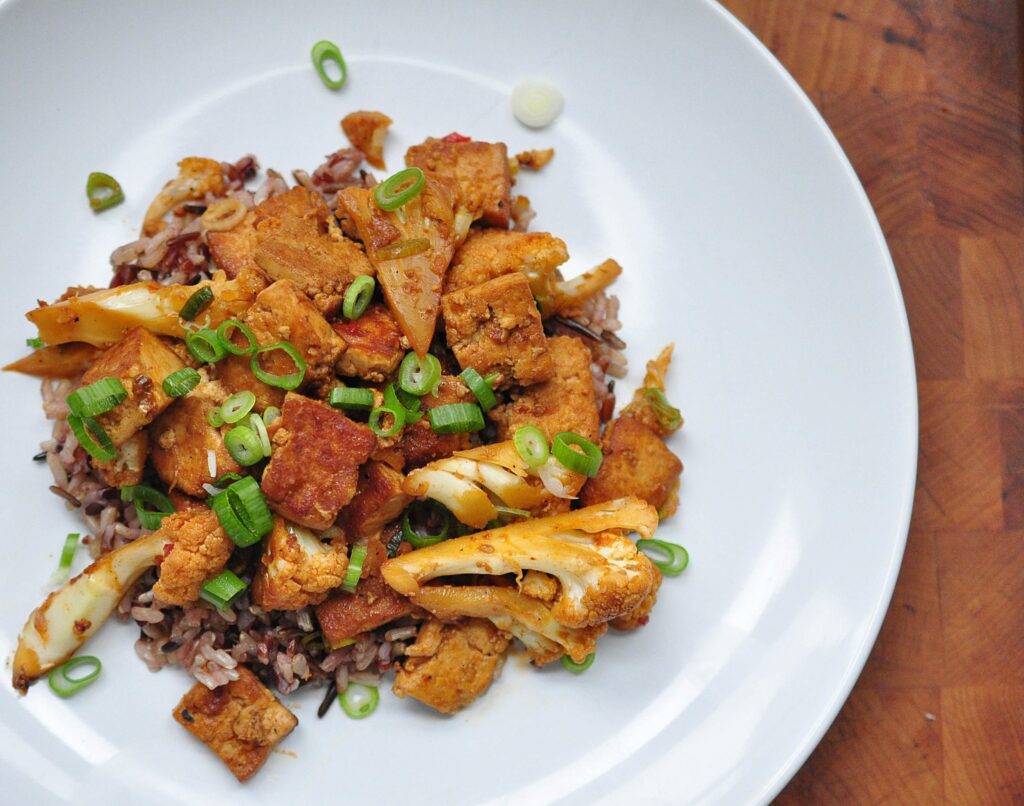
<point>359,701</point>
<point>224,334</point>
<point>214,417</point>
<point>411,404</point>
<point>92,437</point>
<point>399,189</point>
<point>204,346</point>
<point>355,568</point>
<point>256,424</point>
<point>414,538</point>
<point>349,397</point>
<point>64,685</point>
<point>35,343</point>
<point>674,560</point>
<point>103,191</point>
<point>400,249</point>
<point>97,398</point>
<point>292,380</point>
<point>227,479</point>
<point>572,666</point>
<point>140,494</point>
<point>242,511</point>
<point>417,376</point>
<point>270,414</point>
<point>357,296</point>
<point>324,51</point>
<point>196,304</point>
<point>492,378</point>
<point>668,415</point>
<point>223,589</point>
<point>480,388</point>
<point>511,512</point>
<point>531,444</point>
<point>180,382</point>
<point>587,463</point>
<point>397,412</point>
<point>67,556</point>
<point>237,406</point>
<point>456,418</point>
<point>244,445</point>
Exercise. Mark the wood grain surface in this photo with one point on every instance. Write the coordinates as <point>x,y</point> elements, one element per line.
<point>926,98</point>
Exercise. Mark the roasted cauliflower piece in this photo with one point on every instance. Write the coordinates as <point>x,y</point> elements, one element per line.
<point>374,345</point>
<point>297,569</point>
<point>129,465</point>
<point>199,550</point>
<point>601,573</point>
<point>196,177</point>
<point>241,722</point>
<point>570,294</point>
<point>641,614</point>
<point>645,406</point>
<point>490,253</point>
<point>366,131</point>
<point>58,361</point>
<point>379,499</point>
<point>345,615</point>
<point>450,665</point>
<point>68,618</point>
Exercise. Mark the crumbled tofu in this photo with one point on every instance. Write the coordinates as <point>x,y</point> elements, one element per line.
<point>297,569</point>
<point>315,462</point>
<point>420,444</point>
<point>496,327</point>
<point>536,158</point>
<point>200,551</point>
<point>490,253</point>
<point>450,665</point>
<point>565,402</point>
<point>141,361</point>
<point>481,169</point>
<point>366,131</point>
<point>375,342</point>
<point>346,615</point>
<point>640,615</point>
<point>129,465</point>
<point>636,462</point>
<point>241,722</point>
<point>183,438</point>
<point>378,500</point>
<point>281,313</point>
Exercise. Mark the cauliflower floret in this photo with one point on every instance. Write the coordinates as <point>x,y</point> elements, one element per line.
<point>601,573</point>
<point>366,131</point>
<point>641,614</point>
<point>296,570</point>
<point>200,548</point>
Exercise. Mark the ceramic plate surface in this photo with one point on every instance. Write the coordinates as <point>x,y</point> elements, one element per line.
<point>686,153</point>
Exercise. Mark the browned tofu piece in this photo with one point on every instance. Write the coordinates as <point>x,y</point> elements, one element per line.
<point>450,665</point>
<point>201,550</point>
<point>130,463</point>
<point>240,722</point>
<point>490,253</point>
<point>636,462</point>
<point>233,249</point>
<point>378,501</point>
<point>183,439</point>
<point>565,402</point>
<point>375,342</point>
<point>281,313</point>
<point>536,158</point>
<point>366,131</point>
<point>315,462</point>
<point>297,569</point>
<point>481,169</point>
<point>496,327</point>
<point>140,361</point>
<point>641,614</point>
<point>346,615</point>
<point>419,443</point>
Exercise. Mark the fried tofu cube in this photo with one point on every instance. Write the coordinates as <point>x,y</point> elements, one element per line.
<point>490,253</point>
<point>232,250</point>
<point>315,463</point>
<point>379,499</point>
<point>141,361</point>
<point>200,550</point>
<point>183,439</point>
<point>496,327</point>
<point>129,465</point>
<point>375,345</point>
<point>565,402</point>
<point>240,722</point>
<point>366,131</point>
<point>346,615</point>
<point>481,169</point>
<point>636,462</point>
<point>281,313</point>
<point>450,665</point>
<point>297,569</point>
<point>420,444</point>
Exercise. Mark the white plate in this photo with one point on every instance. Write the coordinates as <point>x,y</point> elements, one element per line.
<point>686,153</point>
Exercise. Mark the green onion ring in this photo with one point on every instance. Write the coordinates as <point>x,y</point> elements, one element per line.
<point>676,557</point>
<point>204,346</point>
<point>398,415</point>
<point>414,538</point>
<point>399,189</point>
<point>224,335</point>
<point>288,382</point>
<point>270,414</point>
<point>480,388</point>
<point>244,445</point>
<point>67,556</point>
<point>349,397</point>
<point>196,304</point>
<point>97,398</point>
<point>140,494</point>
<point>256,424</point>
<point>64,685</point>
<point>417,376</point>
<point>399,398</point>
<point>324,51</point>
<point>103,191</point>
<point>359,701</point>
<point>577,668</point>
<point>92,437</point>
<point>223,589</point>
<point>456,418</point>
<point>237,406</point>
<point>587,463</point>
<point>669,417</point>
<point>531,444</point>
<point>357,296</point>
<point>214,417</point>
<point>242,511</point>
<point>180,382</point>
<point>355,568</point>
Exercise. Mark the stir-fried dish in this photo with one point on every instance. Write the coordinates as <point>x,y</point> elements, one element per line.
<point>323,433</point>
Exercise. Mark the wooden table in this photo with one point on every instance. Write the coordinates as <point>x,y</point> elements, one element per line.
<point>925,96</point>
